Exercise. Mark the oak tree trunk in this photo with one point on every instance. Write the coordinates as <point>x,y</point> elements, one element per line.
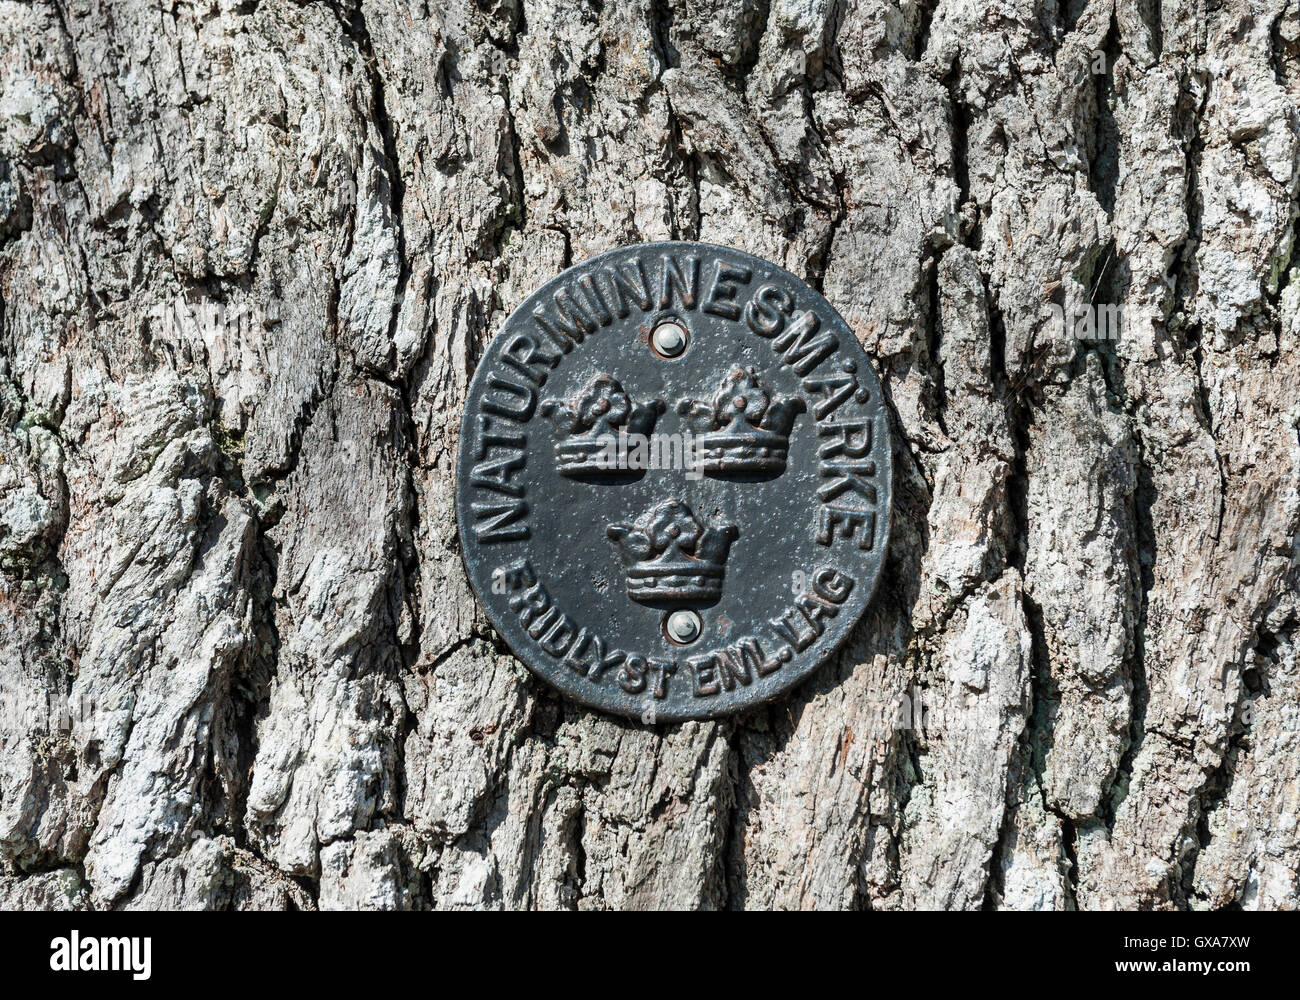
<point>250,251</point>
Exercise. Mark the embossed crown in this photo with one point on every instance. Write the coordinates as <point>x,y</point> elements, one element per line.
<point>743,431</point>
<point>588,419</point>
<point>672,556</point>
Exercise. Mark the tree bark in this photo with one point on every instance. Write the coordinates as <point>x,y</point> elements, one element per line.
<point>250,251</point>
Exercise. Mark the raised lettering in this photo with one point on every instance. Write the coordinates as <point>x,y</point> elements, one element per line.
<point>831,584</point>
<point>500,522</point>
<point>524,355</point>
<point>802,350</point>
<point>766,311</point>
<point>721,296</point>
<point>672,279</point>
<point>520,409</point>
<point>624,280</point>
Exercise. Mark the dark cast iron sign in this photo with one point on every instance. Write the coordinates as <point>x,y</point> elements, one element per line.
<point>674,481</point>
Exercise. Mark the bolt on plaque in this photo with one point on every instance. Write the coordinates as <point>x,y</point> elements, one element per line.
<point>674,481</point>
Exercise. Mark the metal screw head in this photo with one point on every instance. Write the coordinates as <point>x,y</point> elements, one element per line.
<point>683,627</point>
<point>669,339</point>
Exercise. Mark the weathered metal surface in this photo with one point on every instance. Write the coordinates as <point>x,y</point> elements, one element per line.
<point>610,478</point>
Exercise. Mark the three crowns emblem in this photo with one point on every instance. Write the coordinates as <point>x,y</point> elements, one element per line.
<point>671,556</point>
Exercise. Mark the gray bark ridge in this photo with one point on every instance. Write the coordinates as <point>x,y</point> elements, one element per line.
<point>250,253</point>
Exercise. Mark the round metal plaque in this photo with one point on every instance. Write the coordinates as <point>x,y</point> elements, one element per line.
<point>674,481</point>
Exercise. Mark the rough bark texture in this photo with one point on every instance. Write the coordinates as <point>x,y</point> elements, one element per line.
<point>250,251</point>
